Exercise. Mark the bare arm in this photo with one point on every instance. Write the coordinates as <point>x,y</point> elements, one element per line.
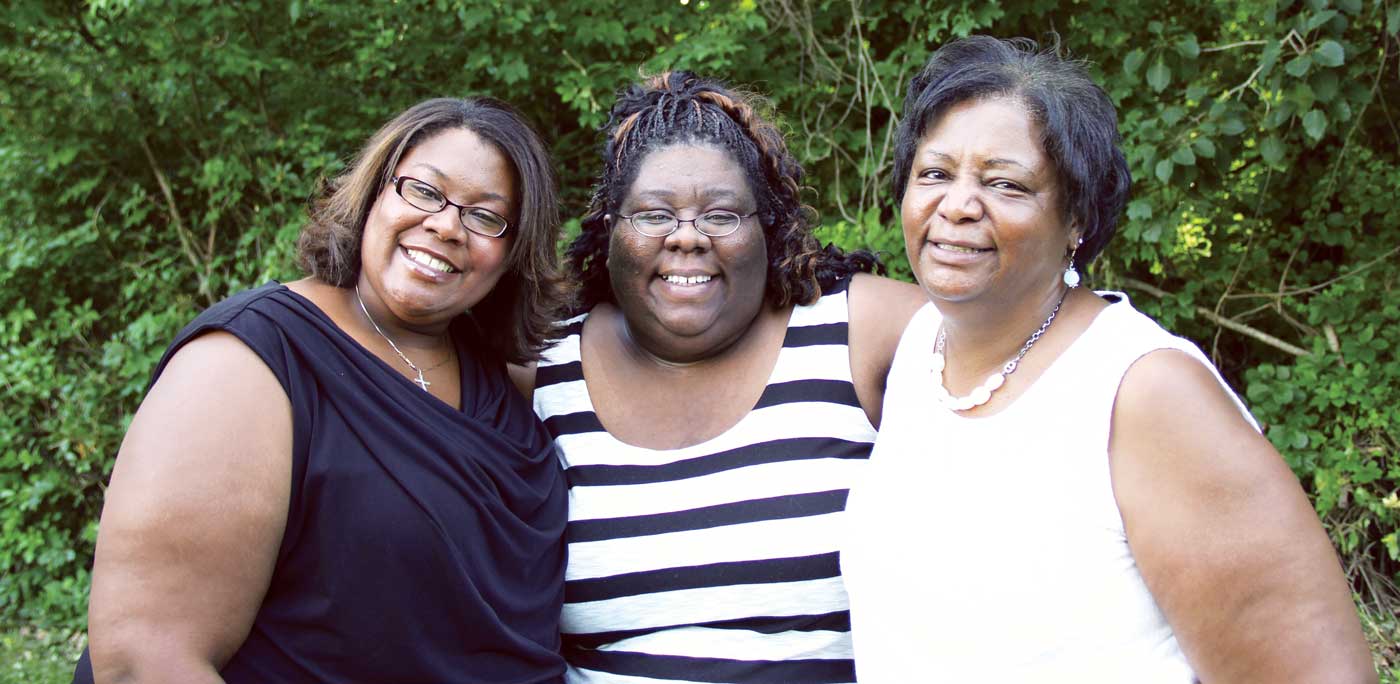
<point>1225,538</point>
<point>193,518</point>
<point>880,308</point>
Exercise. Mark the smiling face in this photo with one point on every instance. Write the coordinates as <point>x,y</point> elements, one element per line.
<point>687,296</point>
<point>982,213</point>
<point>424,268</point>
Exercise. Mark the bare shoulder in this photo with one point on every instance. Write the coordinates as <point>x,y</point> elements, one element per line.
<point>194,514</point>
<point>1223,535</point>
<point>1169,389</point>
<point>1174,422</point>
<point>879,310</point>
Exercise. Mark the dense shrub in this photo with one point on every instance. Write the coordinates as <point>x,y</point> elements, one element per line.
<point>155,157</point>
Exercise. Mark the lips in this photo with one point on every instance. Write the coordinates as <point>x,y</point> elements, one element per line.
<point>957,248</point>
<point>429,260</point>
<point>687,280</point>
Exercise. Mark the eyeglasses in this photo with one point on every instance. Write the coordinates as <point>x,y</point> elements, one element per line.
<point>717,223</point>
<point>427,198</point>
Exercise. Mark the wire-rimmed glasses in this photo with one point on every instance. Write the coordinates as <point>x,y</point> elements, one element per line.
<point>660,223</point>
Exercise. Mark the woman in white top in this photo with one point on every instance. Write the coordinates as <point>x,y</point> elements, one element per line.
<point>1061,490</point>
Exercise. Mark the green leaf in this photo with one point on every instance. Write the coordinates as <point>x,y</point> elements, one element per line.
<point>1139,210</point>
<point>1232,126</point>
<point>1184,156</point>
<point>1272,150</point>
<point>1133,61</point>
<point>295,10</point>
<point>1298,65</point>
<point>1158,75</point>
<point>1300,440</point>
<point>1164,170</point>
<point>1204,147</point>
<point>1315,124</point>
<point>1269,57</point>
<point>1330,53</point>
<point>1189,48</point>
<point>1171,115</point>
<point>1325,85</point>
<point>1319,19</point>
<point>1392,20</point>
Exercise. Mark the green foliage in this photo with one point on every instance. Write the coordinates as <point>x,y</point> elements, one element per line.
<point>155,157</point>
<point>29,657</point>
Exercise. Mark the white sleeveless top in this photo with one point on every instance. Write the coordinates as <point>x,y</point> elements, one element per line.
<point>991,549</point>
<point>715,562</point>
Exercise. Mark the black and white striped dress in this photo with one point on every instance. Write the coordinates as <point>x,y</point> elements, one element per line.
<point>715,562</point>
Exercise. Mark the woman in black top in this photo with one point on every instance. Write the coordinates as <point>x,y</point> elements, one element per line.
<point>332,480</point>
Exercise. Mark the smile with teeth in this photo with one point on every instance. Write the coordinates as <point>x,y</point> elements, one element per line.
<point>960,249</point>
<point>425,259</point>
<point>686,280</point>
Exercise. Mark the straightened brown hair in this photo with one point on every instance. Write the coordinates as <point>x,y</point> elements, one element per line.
<point>517,316</point>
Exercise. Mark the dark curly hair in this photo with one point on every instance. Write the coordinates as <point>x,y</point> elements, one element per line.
<point>516,317</point>
<point>682,108</point>
<point>1078,123</point>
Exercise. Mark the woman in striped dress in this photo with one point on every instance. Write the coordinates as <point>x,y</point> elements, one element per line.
<point>713,404</point>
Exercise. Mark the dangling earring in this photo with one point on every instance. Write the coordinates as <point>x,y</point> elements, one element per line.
<point>1071,276</point>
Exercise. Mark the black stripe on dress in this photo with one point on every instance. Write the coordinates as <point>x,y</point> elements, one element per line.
<point>758,453</point>
<point>715,669</point>
<point>813,335</point>
<point>776,508</point>
<point>573,423</point>
<point>765,571</point>
<point>839,621</point>
<point>797,391</point>
<point>553,375</point>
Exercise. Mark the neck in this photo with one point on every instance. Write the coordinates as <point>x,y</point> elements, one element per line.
<point>381,322</point>
<point>982,338</point>
<point>676,358</point>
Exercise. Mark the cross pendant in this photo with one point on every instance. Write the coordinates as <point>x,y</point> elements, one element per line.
<point>421,382</point>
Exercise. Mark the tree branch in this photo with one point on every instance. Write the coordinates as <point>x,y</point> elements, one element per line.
<point>1231,46</point>
<point>186,240</point>
<point>1236,326</point>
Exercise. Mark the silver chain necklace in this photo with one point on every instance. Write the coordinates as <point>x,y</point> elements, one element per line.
<point>983,392</point>
<point>420,381</point>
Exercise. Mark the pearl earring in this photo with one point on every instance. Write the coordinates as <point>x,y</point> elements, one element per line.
<point>1071,276</point>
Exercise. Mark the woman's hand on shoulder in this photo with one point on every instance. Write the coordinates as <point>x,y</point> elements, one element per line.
<point>880,309</point>
<point>193,517</point>
<point>1225,539</point>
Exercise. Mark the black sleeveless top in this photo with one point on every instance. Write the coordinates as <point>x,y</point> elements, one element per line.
<point>423,543</point>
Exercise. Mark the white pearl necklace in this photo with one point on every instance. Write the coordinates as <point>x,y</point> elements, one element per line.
<point>983,392</point>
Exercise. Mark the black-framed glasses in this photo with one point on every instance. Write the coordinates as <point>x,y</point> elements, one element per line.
<point>659,223</point>
<point>426,197</point>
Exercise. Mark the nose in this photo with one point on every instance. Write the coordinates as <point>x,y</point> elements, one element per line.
<point>446,225</point>
<point>961,202</point>
<point>687,238</point>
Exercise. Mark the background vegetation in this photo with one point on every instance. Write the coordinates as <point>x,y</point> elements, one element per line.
<point>155,157</point>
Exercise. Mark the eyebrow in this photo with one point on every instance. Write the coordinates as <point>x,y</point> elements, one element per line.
<point>994,161</point>
<point>709,194</point>
<point>485,194</point>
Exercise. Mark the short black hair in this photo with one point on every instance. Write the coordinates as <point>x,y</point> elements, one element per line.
<point>683,108</point>
<point>1078,123</point>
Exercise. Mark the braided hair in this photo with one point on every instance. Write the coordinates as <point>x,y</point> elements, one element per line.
<point>682,108</point>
